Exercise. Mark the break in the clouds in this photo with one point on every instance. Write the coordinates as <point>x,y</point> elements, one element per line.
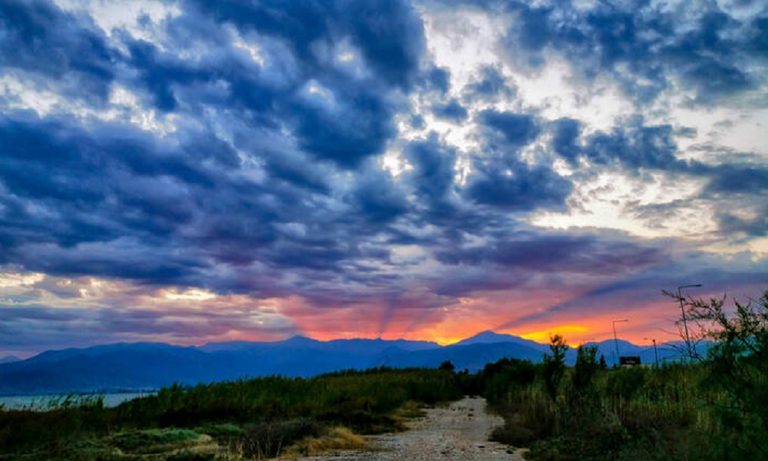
<point>193,171</point>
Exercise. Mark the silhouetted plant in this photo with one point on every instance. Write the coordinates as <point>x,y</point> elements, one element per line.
<point>447,366</point>
<point>737,365</point>
<point>554,365</point>
<point>268,439</point>
<point>583,400</point>
<point>270,411</point>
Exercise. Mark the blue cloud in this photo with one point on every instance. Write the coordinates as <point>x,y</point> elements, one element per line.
<point>642,45</point>
<point>744,179</point>
<point>41,40</point>
<point>491,83</point>
<point>389,33</point>
<point>553,252</point>
<point>438,79</point>
<point>451,110</point>
<point>634,146</point>
<point>516,129</point>
<point>519,188</point>
<point>270,179</point>
<point>565,138</point>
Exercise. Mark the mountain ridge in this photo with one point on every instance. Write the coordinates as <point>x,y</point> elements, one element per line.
<point>146,365</point>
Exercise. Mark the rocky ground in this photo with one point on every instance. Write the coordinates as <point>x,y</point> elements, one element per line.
<point>457,432</point>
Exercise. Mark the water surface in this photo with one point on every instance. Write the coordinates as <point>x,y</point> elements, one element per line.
<point>45,402</point>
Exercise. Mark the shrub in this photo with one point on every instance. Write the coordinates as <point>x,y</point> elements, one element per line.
<point>268,439</point>
<point>554,365</point>
<point>737,366</point>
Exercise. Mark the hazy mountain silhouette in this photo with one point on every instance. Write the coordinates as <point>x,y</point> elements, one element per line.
<point>9,359</point>
<point>490,337</point>
<point>130,366</point>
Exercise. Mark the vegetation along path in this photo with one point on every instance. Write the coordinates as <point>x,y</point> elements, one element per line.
<point>456,432</point>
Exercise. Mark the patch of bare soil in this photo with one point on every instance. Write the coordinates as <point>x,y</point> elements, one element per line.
<point>456,432</point>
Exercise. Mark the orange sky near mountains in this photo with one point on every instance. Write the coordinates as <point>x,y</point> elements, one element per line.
<point>194,171</point>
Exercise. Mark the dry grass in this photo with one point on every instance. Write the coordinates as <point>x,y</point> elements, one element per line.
<point>338,438</point>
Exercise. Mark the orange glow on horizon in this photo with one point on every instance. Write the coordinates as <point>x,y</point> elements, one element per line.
<point>449,324</point>
<point>446,341</point>
<point>566,331</point>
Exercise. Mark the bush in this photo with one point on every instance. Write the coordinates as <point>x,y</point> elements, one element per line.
<point>259,415</point>
<point>737,367</point>
<point>554,365</point>
<point>268,439</point>
<point>712,409</point>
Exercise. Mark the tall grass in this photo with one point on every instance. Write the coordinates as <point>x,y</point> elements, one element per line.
<point>258,417</point>
<point>641,413</point>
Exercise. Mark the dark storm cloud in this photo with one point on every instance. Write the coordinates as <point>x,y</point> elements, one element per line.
<point>269,180</point>
<point>451,110</point>
<point>754,226</point>
<point>433,168</point>
<point>163,211</point>
<point>489,84</point>
<point>376,198</point>
<point>748,179</point>
<point>518,187</point>
<point>565,138</point>
<point>437,79</point>
<point>49,327</point>
<point>39,39</point>
<point>334,115</point>
<point>634,145</point>
<point>389,33</point>
<point>349,135</point>
<point>129,199</point>
<point>516,129</point>
<point>644,45</point>
<point>500,179</point>
<point>644,287</point>
<point>587,254</point>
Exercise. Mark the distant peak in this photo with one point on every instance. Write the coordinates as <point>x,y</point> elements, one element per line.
<point>490,334</point>
<point>487,336</point>
<point>300,339</point>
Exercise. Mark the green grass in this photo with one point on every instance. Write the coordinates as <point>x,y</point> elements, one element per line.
<point>156,440</point>
<point>243,419</point>
<point>641,413</point>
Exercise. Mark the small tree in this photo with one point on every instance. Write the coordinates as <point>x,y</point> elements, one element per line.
<point>737,364</point>
<point>586,367</point>
<point>554,365</point>
<point>447,366</point>
<point>583,400</point>
<point>603,364</point>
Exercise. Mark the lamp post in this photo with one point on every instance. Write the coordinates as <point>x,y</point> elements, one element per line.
<point>655,352</point>
<point>685,321</point>
<point>615,339</point>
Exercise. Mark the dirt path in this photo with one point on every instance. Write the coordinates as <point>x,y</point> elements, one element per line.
<point>457,432</point>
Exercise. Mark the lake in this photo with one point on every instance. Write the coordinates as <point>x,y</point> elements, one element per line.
<point>44,402</point>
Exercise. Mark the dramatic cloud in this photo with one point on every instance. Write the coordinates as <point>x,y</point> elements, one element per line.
<point>192,171</point>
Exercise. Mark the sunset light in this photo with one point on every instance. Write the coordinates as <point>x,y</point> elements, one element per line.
<point>191,172</point>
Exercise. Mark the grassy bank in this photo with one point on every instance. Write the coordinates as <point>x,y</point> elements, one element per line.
<point>675,412</point>
<point>250,419</point>
<point>629,414</point>
<point>710,408</point>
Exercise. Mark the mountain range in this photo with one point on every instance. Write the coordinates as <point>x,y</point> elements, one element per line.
<point>143,366</point>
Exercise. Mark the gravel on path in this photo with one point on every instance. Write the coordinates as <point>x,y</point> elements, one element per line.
<point>457,432</point>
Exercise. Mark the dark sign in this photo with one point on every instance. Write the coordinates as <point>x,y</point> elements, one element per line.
<point>629,360</point>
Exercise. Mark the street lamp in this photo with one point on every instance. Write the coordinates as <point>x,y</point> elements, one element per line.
<point>615,340</point>
<point>655,352</point>
<point>685,321</point>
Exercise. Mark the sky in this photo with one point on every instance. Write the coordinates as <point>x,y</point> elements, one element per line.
<point>193,171</point>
